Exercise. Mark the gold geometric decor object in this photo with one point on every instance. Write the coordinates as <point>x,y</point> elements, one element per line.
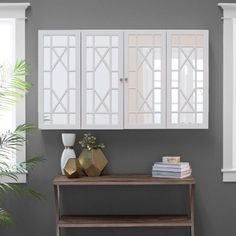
<point>92,161</point>
<point>73,169</point>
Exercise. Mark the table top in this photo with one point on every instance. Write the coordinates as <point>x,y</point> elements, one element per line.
<point>119,179</point>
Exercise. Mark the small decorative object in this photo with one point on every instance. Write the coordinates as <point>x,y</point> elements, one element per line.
<point>68,140</point>
<point>92,158</point>
<point>171,159</point>
<point>73,169</point>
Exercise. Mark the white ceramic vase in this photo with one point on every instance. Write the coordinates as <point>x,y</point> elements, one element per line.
<point>68,140</point>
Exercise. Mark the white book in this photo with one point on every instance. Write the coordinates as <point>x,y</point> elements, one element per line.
<point>177,165</point>
<point>167,169</point>
<point>174,174</point>
<point>167,175</point>
<point>172,177</point>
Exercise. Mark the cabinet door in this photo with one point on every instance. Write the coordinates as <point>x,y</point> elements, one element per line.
<point>59,79</point>
<point>145,86</point>
<point>187,73</point>
<point>102,83</point>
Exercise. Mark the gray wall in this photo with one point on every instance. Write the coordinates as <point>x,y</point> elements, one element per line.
<point>131,151</point>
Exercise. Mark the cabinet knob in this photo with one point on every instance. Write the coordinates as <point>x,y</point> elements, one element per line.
<point>126,79</point>
<point>121,79</point>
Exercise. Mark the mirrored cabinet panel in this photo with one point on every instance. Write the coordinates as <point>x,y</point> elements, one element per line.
<point>102,80</point>
<point>187,78</point>
<point>145,87</point>
<point>123,79</point>
<point>59,79</point>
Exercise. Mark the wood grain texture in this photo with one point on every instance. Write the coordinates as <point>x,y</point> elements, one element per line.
<point>122,180</point>
<point>124,221</point>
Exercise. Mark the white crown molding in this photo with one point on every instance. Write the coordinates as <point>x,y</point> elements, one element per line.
<point>229,10</point>
<point>13,10</point>
<point>227,5</point>
<point>23,5</point>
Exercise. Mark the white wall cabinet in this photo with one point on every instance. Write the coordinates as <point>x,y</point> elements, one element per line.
<point>123,79</point>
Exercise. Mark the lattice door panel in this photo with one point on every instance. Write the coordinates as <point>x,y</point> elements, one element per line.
<point>145,83</point>
<point>59,79</point>
<point>188,79</point>
<point>102,80</point>
<point>60,76</point>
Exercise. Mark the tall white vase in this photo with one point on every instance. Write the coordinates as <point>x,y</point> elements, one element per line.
<point>68,141</point>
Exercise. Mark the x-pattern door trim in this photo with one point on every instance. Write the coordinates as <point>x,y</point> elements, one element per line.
<point>187,100</point>
<point>102,100</point>
<point>144,100</point>
<point>101,58</point>
<point>144,59</point>
<point>187,58</point>
<point>59,59</point>
<point>59,101</point>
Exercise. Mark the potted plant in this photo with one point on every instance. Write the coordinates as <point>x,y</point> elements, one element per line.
<point>92,158</point>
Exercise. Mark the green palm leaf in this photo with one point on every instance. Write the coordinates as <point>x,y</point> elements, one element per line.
<point>11,141</point>
<point>4,187</point>
<point>5,217</point>
<point>12,88</point>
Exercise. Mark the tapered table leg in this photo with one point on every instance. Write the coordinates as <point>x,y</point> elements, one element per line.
<point>57,207</point>
<point>191,195</point>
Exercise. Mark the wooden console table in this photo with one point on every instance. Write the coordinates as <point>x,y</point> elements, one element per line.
<point>126,220</point>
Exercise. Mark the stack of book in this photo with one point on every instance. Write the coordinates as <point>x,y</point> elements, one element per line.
<point>171,170</point>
